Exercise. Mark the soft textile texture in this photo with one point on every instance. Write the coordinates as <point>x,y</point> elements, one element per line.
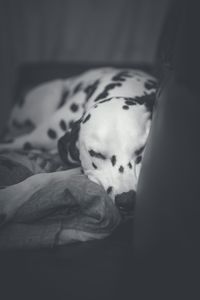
<point>16,166</point>
<point>60,212</point>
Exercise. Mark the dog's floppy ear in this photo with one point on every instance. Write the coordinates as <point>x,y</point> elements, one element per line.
<point>67,146</point>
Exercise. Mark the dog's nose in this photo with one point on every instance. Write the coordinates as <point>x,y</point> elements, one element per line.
<point>126,201</point>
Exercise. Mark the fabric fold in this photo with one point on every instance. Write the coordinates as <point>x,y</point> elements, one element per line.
<point>59,208</point>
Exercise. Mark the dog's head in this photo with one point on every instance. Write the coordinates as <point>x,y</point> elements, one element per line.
<point>111,140</point>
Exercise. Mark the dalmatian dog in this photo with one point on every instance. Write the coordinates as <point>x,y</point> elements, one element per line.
<point>99,119</point>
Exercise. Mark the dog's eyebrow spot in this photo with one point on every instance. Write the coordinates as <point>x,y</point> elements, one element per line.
<point>121,169</point>
<point>139,151</point>
<point>109,190</point>
<point>113,160</point>
<point>93,164</point>
<point>96,154</point>
<point>125,107</point>
<point>52,134</point>
<point>130,165</point>
<point>87,118</point>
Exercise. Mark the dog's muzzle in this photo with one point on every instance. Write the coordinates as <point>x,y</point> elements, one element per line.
<point>126,201</point>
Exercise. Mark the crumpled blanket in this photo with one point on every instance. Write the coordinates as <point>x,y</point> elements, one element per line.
<point>17,165</point>
<point>67,209</point>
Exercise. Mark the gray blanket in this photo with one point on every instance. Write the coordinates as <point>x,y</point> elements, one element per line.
<point>59,212</point>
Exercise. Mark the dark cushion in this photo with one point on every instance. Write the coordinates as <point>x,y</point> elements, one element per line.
<point>167,223</point>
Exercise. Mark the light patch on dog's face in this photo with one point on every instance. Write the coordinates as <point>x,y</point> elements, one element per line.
<point>111,143</point>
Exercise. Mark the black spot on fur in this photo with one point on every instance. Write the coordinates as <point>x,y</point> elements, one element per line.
<point>63,125</point>
<point>77,88</point>
<point>139,151</point>
<point>113,160</point>
<point>87,118</point>
<point>147,100</point>
<point>93,164</point>
<point>121,169</point>
<point>106,100</point>
<point>121,76</point>
<point>131,99</point>
<point>109,190</point>
<point>63,99</point>
<point>150,84</point>
<point>95,106</point>
<point>129,102</point>
<point>74,107</point>
<point>108,87</point>
<point>90,89</point>
<point>138,159</point>
<point>52,134</point>
<point>27,146</point>
<point>130,165</point>
<point>143,99</point>
<point>96,154</point>
<point>126,107</point>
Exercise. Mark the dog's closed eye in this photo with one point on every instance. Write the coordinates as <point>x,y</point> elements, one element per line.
<point>97,154</point>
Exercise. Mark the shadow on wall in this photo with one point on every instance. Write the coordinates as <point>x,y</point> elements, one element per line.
<point>89,30</point>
